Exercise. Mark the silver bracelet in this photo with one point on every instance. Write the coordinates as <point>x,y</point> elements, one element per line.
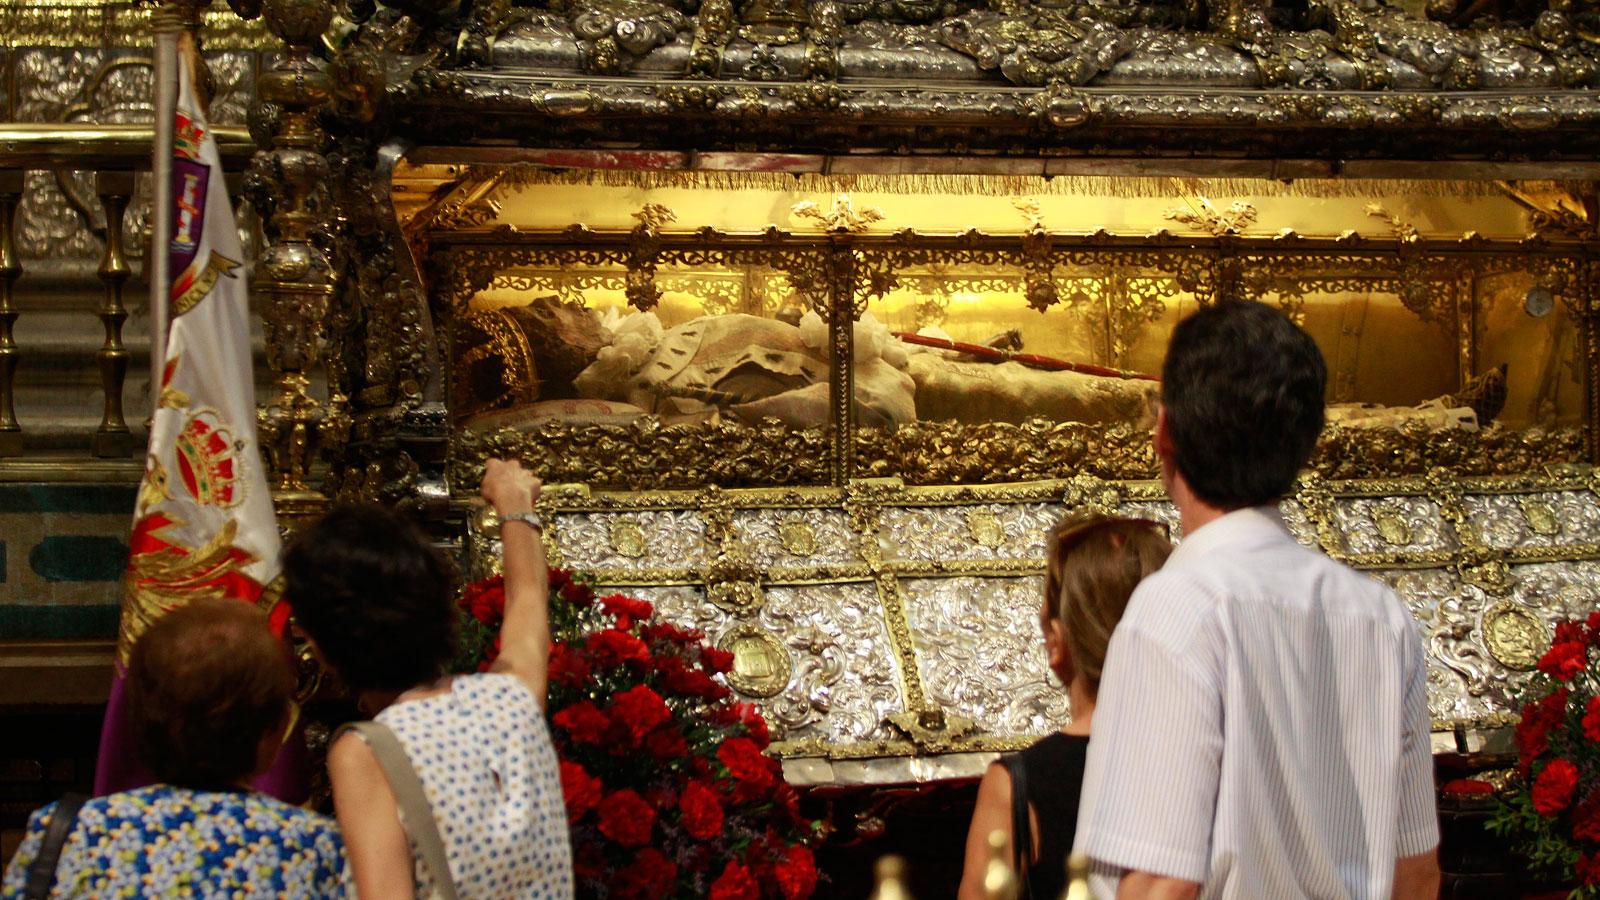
<point>530,519</point>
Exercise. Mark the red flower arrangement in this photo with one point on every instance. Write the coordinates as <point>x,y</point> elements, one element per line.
<point>1553,809</point>
<point>667,788</point>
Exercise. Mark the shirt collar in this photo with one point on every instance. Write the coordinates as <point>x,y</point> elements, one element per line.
<point>1254,524</point>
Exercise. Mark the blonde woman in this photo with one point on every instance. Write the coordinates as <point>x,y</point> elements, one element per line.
<point>1095,562</point>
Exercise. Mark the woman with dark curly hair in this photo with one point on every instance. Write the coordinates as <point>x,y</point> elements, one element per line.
<point>377,600</point>
<point>209,698</point>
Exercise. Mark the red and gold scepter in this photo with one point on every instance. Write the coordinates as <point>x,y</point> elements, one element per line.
<point>995,354</point>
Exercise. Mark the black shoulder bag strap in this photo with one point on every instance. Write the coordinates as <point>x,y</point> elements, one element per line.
<point>42,874</point>
<point>1021,822</point>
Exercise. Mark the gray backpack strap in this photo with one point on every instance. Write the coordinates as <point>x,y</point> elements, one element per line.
<point>42,874</point>
<point>415,811</point>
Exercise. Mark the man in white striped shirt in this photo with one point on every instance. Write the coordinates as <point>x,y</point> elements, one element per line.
<point>1262,730</point>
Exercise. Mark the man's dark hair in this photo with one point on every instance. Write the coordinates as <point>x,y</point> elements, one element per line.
<point>1243,391</point>
<point>375,595</point>
<point>206,684</point>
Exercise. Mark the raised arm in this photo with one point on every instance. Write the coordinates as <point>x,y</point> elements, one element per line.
<point>525,633</point>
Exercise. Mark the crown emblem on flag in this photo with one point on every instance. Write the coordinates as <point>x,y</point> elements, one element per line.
<point>207,462</point>
<point>186,137</point>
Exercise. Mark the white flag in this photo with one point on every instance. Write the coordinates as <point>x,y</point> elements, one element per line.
<point>204,523</point>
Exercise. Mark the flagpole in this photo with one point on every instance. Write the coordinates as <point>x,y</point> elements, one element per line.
<point>170,19</point>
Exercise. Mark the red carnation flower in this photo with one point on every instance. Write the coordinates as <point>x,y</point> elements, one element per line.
<point>584,722</point>
<point>1552,790</point>
<point>666,744</point>
<point>1569,632</point>
<point>754,724</point>
<point>702,811</point>
<point>745,762</point>
<point>1533,729</point>
<point>485,600</point>
<point>796,873</point>
<point>637,710</point>
<point>1586,818</point>
<point>1564,659</point>
<point>577,594</point>
<point>681,679</point>
<point>735,883</point>
<point>568,667</point>
<point>670,633</point>
<point>1591,720</point>
<point>559,578</point>
<point>580,789</point>
<point>626,610</point>
<point>649,877</point>
<point>626,818</point>
<point>1594,626</point>
<point>612,647</point>
<point>1588,869</point>
<point>717,662</point>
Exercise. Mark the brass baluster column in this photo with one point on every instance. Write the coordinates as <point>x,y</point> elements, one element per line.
<point>10,271</point>
<point>112,438</point>
<point>293,276</point>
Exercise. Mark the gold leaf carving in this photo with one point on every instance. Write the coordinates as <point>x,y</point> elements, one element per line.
<point>985,528</point>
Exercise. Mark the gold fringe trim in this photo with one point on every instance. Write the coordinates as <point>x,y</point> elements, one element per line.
<point>998,185</point>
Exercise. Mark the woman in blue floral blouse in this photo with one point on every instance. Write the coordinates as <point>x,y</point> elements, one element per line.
<point>210,695</point>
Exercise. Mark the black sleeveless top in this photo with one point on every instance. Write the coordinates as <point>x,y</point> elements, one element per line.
<point>1054,780</point>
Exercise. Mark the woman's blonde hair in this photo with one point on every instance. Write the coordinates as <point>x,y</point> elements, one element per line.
<point>1095,562</point>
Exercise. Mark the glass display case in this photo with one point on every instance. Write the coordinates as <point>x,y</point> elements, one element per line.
<point>687,329</point>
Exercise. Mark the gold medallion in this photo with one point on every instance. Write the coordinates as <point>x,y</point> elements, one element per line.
<point>1515,637</point>
<point>1391,524</point>
<point>985,528</point>
<point>627,539</point>
<point>797,536</point>
<point>761,664</point>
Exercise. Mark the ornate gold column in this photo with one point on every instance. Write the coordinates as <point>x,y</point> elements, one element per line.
<point>293,277</point>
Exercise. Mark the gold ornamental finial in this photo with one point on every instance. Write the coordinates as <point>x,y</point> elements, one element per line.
<point>655,216</point>
<point>890,873</point>
<point>843,217</point>
<point>1077,878</point>
<point>999,879</point>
